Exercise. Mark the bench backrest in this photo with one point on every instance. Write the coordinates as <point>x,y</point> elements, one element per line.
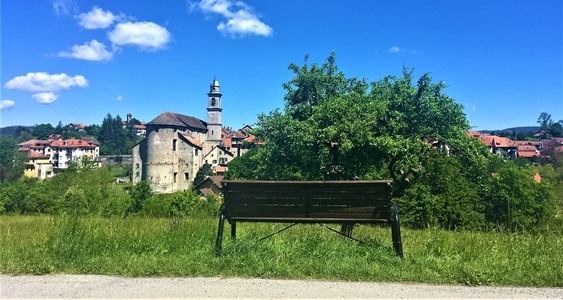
<point>308,201</point>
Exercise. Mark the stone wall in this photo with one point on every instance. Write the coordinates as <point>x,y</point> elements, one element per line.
<point>116,160</point>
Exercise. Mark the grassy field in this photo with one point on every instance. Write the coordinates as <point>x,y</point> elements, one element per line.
<point>185,247</point>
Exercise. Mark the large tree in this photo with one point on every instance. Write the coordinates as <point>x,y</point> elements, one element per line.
<point>335,127</point>
<point>12,162</point>
<point>115,139</point>
<point>42,131</point>
<point>400,128</point>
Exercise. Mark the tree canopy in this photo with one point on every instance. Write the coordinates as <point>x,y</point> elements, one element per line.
<point>400,128</point>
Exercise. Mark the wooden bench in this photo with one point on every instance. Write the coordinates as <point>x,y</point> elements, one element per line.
<point>336,202</point>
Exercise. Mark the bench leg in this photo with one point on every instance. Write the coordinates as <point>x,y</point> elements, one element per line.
<point>220,234</point>
<point>396,231</point>
<point>233,230</point>
<point>346,229</point>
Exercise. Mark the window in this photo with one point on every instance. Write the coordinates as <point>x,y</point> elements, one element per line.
<point>196,151</point>
<point>174,144</point>
<point>175,176</point>
<point>137,165</point>
<point>186,176</point>
<point>137,174</point>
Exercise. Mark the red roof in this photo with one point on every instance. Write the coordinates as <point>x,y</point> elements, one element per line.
<point>497,141</point>
<point>72,143</point>
<point>527,154</point>
<point>37,155</point>
<point>527,148</point>
<point>227,142</point>
<point>193,140</point>
<point>79,126</point>
<point>220,169</point>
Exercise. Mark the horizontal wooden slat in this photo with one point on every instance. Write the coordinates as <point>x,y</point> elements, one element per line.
<point>306,220</point>
<point>266,201</point>
<point>375,202</point>
<point>241,210</point>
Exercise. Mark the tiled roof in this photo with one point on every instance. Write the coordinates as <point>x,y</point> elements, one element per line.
<point>527,148</point>
<point>72,143</point>
<point>90,139</point>
<point>532,143</point>
<point>207,192</point>
<point>193,140</point>
<point>217,180</point>
<point>34,143</point>
<point>500,142</point>
<point>227,142</point>
<point>77,125</point>
<point>37,155</point>
<point>527,154</point>
<point>174,119</point>
<point>238,135</point>
<point>220,169</point>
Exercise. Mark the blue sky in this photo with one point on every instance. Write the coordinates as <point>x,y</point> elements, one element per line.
<point>77,60</point>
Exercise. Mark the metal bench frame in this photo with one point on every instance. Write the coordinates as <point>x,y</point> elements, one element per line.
<point>325,202</point>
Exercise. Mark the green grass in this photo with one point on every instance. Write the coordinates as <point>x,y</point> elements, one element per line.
<point>185,247</point>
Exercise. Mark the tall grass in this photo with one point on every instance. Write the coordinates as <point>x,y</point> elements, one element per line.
<point>185,247</point>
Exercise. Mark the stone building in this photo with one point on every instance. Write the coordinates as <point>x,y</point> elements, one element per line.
<point>176,146</point>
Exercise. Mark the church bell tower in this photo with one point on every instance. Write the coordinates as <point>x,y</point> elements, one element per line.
<point>214,115</point>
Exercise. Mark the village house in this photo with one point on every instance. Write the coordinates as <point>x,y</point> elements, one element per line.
<point>138,129</point>
<point>38,166</point>
<point>46,157</point>
<point>509,148</point>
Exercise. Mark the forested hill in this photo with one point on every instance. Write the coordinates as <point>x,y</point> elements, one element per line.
<point>516,130</point>
<point>14,131</point>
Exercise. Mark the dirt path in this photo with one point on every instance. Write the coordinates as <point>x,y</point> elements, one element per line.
<point>94,286</point>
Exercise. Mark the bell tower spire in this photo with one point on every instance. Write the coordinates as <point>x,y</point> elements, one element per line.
<point>214,115</point>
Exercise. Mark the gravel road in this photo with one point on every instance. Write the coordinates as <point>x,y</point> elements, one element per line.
<point>94,286</point>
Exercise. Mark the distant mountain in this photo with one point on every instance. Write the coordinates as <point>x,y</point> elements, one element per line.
<point>516,130</point>
<point>12,131</point>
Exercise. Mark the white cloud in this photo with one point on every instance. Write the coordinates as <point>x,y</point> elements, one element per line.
<point>96,18</point>
<point>145,35</point>
<point>94,51</point>
<point>45,97</point>
<point>45,85</point>
<point>119,98</point>
<point>45,82</point>
<point>64,7</point>
<point>241,20</point>
<point>7,104</point>
<point>395,49</point>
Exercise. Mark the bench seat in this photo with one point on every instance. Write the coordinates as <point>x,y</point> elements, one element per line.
<point>337,202</point>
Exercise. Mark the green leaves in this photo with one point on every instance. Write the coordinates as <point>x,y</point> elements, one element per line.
<point>400,128</point>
